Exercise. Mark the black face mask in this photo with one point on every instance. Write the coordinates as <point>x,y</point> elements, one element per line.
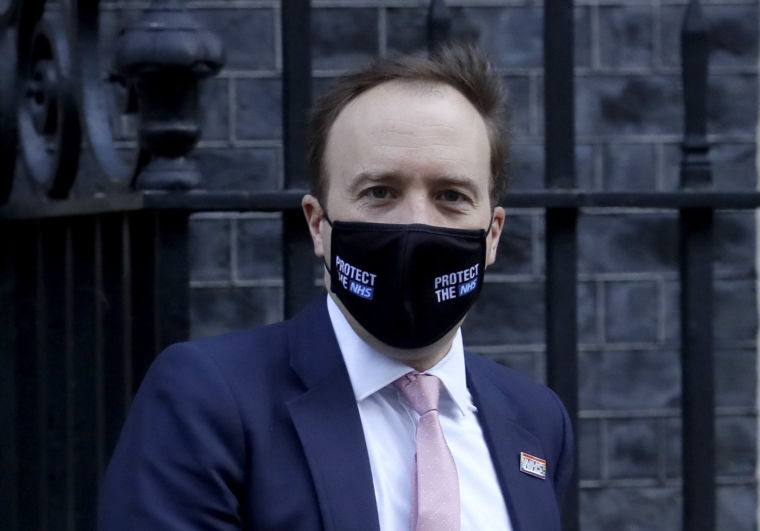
<point>407,285</point>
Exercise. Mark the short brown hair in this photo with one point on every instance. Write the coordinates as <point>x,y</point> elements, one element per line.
<point>462,67</point>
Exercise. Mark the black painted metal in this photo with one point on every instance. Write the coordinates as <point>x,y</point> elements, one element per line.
<point>561,329</point>
<point>8,459</point>
<point>82,19</point>
<point>697,395</point>
<point>8,11</point>
<point>695,51</point>
<point>172,279</point>
<point>296,88</point>
<point>159,286</point>
<point>142,303</point>
<point>561,225</point>
<point>298,251</point>
<point>114,331</point>
<point>695,265</point>
<point>160,61</point>
<point>164,56</point>
<point>55,375</point>
<point>47,113</point>
<point>559,94</point>
<point>298,263</point>
<point>8,110</point>
<point>86,368</point>
<point>438,24</point>
<point>291,200</point>
<point>28,448</point>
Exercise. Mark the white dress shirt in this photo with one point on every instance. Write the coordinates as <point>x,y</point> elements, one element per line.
<point>389,425</point>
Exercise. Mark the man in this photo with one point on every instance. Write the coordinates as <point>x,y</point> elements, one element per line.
<point>363,412</point>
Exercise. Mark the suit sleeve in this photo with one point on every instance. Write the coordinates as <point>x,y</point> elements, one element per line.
<point>179,463</point>
<point>563,475</point>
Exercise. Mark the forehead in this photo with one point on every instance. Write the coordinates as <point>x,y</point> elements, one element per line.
<point>408,128</point>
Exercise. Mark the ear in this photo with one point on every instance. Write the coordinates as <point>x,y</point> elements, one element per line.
<point>314,216</point>
<point>497,224</point>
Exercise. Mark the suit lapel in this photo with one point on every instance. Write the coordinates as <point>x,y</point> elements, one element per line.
<point>327,420</point>
<point>529,499</point>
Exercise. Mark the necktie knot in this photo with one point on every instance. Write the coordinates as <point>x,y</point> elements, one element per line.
<point>421,390</point>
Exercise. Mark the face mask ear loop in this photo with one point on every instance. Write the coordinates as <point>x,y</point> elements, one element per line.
<point>327,219</point>
<point>490,223</point>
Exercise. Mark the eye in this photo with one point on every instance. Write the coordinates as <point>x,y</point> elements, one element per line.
<point>378,192</point>
<point>452,196</point>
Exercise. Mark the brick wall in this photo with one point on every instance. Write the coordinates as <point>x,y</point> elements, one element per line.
<point>629,122</point>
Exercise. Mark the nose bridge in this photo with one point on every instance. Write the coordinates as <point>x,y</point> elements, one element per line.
<point>418,207</point>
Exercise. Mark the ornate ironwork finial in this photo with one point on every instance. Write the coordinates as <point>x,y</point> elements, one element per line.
<point>164,56</point>
<point>438,24</point>
<point>8,111</point>
<point>695,164</point>
<point>47,114</point>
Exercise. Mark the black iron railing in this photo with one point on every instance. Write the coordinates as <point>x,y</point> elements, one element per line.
<point>93,287</point>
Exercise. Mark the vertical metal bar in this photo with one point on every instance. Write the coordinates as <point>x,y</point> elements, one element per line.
<point>55,398</point>
<point>8,459</point>
<point>561,225</point>
<point>160,286</point>
<point>695,165</point>
<point>438,24</point>
<point>113,321</point>
<point>559,94</point>
<point>297,249</point>
<point>172,279</point>
<point>143,295</point>
<point>698,397</point>
<point>561,330</point>
<point>695,264</point>
<point>28,411</point>
<point>127,309</point>
<point>99,339</point>
<point>85,368</point>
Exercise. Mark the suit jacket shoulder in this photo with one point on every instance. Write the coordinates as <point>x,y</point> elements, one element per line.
<point>531,409</point>
<point>539,407</point>
<point>519,414</point>
<point>223,433</point>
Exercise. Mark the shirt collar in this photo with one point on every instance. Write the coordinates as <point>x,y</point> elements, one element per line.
<point>370,371</point>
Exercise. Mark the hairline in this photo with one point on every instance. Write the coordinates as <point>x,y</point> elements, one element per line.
<point>422,83</point>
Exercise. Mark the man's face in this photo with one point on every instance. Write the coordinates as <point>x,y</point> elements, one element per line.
<point>408,153</point>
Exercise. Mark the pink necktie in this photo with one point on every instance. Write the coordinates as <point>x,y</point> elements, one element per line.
<point>435,487</point>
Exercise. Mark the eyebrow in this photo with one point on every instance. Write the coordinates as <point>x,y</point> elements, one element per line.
<point>394,177</point>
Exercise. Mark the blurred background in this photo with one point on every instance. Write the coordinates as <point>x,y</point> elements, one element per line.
<point>629,125</point>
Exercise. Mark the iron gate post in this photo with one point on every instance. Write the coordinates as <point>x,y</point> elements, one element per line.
<point>298,252</point>
<point>696,276</point>
<point>561,226</point>
<point>438,24</point>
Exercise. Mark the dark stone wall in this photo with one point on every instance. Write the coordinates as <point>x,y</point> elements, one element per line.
<point>629,124</point>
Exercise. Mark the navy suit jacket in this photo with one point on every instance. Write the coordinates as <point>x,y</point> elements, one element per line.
<point>260,430</point>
